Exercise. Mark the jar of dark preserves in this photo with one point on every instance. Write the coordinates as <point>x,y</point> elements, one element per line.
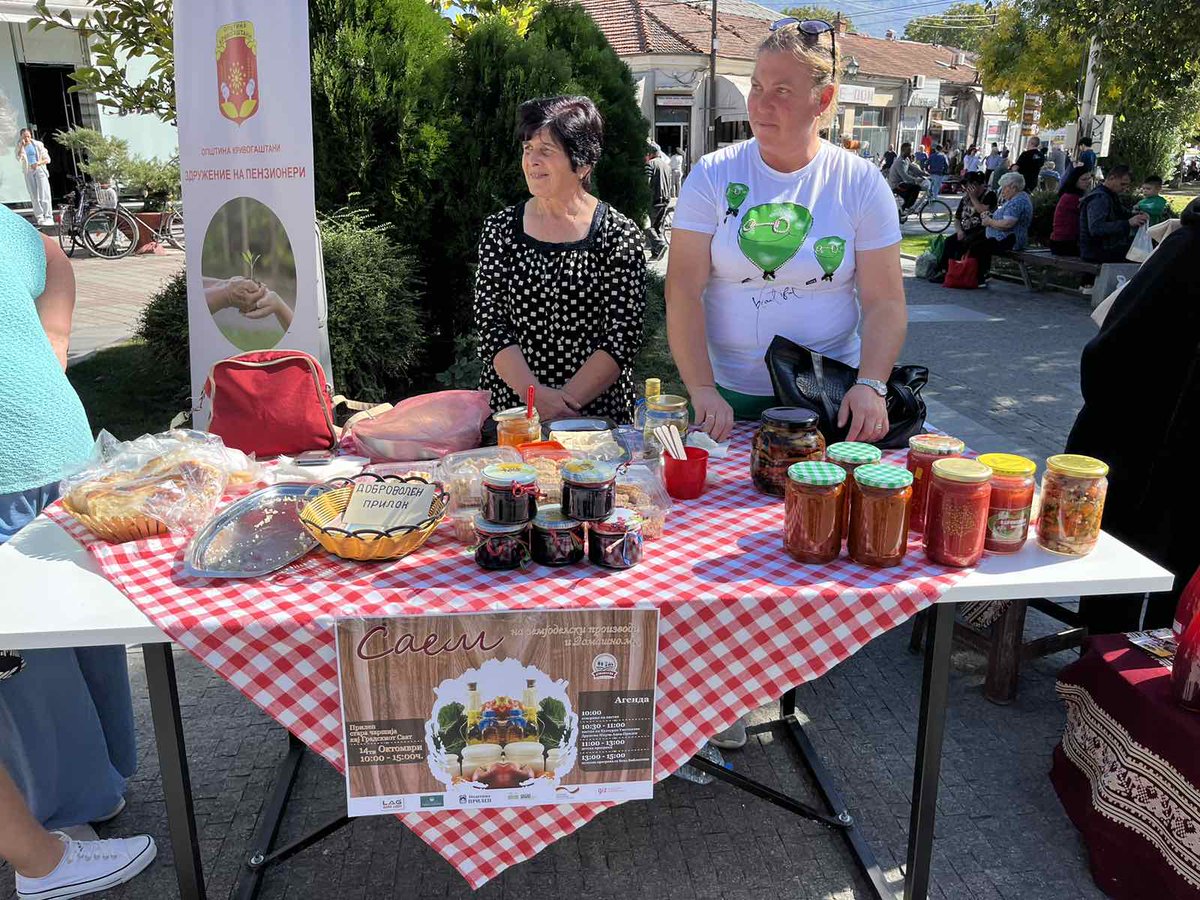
<point>556,540</point>
<point>616,543</point>
<point>786,436</point>
<point>499,547</point>
<point>509,493</point>
<point>589,490</point>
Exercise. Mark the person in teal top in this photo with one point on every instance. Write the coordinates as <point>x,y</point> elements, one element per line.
<point>67,734</point>
<point>1153,203</point>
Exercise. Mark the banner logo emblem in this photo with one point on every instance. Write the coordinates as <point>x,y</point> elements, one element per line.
<point>237,71</point>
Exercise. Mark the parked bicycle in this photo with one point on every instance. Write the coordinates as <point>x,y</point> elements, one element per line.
<point>934,215</point>
<point>110,232</point>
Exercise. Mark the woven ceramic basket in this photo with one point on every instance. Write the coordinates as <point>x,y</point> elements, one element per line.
<point>118,530</point>
<point>369,545</point>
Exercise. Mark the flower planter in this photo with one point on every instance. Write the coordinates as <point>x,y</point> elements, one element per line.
<point>148,223</point>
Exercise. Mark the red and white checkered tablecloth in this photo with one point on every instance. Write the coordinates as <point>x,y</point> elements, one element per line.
<point>741,623</point>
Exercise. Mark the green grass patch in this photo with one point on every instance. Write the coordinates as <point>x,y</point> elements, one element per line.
<point>655,360</point>
<point>128,391</point>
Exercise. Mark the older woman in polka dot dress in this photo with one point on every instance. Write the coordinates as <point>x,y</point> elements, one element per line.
<point>560,295</point>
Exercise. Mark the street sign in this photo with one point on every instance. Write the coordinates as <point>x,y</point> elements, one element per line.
<point>1031,115</point>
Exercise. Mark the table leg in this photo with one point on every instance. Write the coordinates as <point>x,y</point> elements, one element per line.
<point>172,761</point>
<point>935,686</point>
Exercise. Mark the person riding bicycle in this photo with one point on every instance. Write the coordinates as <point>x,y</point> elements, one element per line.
<point>905,177</point>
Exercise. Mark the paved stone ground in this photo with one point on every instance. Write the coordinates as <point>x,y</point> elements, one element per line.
<point>110,296</point>
<point>1004,369</point>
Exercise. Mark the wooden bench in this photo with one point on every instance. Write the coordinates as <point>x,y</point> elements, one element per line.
<point>1047,262</point>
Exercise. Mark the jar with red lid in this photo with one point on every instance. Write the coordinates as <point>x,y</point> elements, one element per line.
<point>923,449</point>
<point>956,517</point>
<point>1011,503</point>
<point>850,455</point>
<point>787,435</point>
<point>812,512</point>
<point>878,534</point>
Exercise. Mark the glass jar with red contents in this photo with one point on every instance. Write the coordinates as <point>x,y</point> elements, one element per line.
<point>956,516</point>
<point>923,449</point>
<point>812,512</point>
<point>878,533</point>
<point>850,455</point>
<point>787,435</point>
<point>1012,500</point>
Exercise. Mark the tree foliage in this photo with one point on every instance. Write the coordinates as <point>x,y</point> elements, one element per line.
<point>1148,70</point>
<point>467,14</point>
<point>823,13</point>
<point>952,27</point>
<point>116,31</point>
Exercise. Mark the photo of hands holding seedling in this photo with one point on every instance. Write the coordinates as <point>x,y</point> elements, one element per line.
<point>249,274</point>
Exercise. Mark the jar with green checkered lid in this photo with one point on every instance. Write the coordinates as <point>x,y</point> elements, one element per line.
<point>850,455</point>
<point>812,511</point>
<point>879,508</point>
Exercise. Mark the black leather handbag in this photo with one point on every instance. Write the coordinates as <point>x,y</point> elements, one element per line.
<point>803,377</point>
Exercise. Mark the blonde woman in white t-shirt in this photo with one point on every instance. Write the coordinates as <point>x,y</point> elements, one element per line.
<point>785,234</point>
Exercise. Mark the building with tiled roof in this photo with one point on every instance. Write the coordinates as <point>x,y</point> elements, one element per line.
<point>892,90</point>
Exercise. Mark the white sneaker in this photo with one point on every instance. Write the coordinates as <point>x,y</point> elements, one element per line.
<point>90,866</point>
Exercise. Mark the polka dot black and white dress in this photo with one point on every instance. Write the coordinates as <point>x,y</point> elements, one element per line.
<point>561,303</point>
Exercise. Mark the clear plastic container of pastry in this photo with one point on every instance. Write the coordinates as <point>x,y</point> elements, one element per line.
<point>640,489</point>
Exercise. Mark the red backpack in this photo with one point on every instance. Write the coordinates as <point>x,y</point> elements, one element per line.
<point>271,402</point>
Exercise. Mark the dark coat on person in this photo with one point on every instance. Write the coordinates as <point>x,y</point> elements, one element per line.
<point>1104,232</point>
<point>1140,378</point>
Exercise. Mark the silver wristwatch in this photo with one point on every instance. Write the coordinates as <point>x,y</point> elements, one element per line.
<point>877,386</point>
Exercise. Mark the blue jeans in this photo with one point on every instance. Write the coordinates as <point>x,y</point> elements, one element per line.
<point>935,185</point>
<point>67,734</point>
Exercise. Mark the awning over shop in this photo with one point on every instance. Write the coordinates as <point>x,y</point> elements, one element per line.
<point>21,11</point>
<point>732,93</point>
<point>945,126</point>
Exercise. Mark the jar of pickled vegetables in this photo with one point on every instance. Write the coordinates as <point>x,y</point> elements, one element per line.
<point>1073,491</point>
<point>616,543</point>
<point>556,540</point>
<point>664,409</point>
<point>514,428</point>
<point>1012,500</point>
<point>812,512</point>
<point>956,515</point>
<point>509,493</point>
<point>499,547</point>
<point>786,436</point>
<point>589,490</point>
<point>850,455</point>
<point>923,449</point>
<point>878,534</point>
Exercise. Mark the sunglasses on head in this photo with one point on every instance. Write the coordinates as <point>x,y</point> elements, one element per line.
<point>812,29</point>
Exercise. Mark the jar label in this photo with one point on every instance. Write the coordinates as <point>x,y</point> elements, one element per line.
<point>1008,526</point>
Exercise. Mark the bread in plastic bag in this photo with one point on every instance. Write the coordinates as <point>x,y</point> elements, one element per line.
<point>1142,246</point>
<point>425,427</point>
<point>639,488</point>
<point>171,481</point>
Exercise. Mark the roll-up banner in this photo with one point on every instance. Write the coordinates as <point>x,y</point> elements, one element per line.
<point>254,273</point>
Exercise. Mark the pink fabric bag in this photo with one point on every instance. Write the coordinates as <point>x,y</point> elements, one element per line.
<point>425,427</point>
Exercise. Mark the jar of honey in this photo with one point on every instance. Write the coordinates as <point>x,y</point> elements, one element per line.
<point>812,512</point>
<point>850,455</point>
<point>878,534</point>
<point>956,517</point>
<point>786,436</point>
<point>923,449</point>
<point>1012,500</point>
<point>513,428</point>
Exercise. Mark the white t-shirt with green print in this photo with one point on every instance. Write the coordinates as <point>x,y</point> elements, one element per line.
<point>783,247</point>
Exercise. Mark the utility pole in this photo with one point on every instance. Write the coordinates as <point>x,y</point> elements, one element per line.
<point>1091,91</point>
<point>710,143</point>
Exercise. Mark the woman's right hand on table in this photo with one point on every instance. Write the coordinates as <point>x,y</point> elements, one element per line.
<point>713,414</point>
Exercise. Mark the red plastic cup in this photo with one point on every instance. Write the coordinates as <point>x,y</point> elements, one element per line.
<point>685,477</point>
